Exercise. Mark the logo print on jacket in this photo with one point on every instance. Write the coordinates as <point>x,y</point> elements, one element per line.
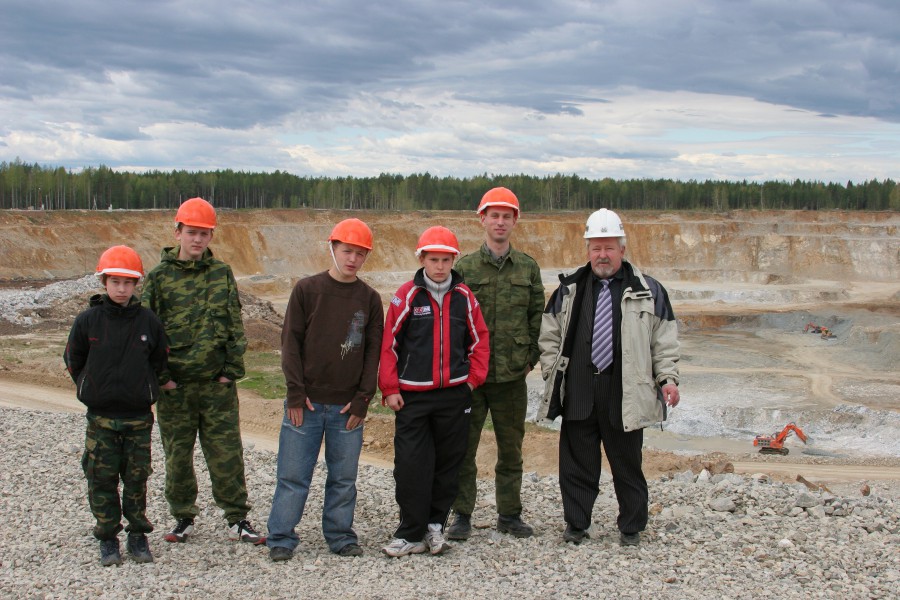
<point>421,311</point>
<point>354,334</point>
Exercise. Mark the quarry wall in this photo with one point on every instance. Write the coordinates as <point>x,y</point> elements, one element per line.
<point>760,246</point>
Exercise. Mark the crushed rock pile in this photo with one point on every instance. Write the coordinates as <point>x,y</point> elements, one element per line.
<point>710,536</point>
<point>61,301</point>
<point>27,307</point>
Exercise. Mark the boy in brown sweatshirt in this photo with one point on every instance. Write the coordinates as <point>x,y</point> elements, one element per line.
<point>330,346</point>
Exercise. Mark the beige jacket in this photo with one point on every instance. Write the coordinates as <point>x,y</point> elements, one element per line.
<point>649,346</point>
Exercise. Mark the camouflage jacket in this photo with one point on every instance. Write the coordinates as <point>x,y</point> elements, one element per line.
<point>197,302</point>
<point>512,301</point>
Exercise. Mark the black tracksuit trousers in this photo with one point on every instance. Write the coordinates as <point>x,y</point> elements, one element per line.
<point>430,441</point>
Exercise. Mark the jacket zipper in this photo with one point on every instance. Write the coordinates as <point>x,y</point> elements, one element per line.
<point>440,308</point>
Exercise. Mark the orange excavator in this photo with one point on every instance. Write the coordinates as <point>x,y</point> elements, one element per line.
<point>774,444</point>
<point>820,329</point>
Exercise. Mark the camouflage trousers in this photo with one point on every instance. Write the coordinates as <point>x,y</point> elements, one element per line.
<point>208,410</point>
<point>508,403</point>
<point>114,449</point>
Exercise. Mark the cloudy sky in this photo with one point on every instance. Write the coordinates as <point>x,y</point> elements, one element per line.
<point>681,89</point>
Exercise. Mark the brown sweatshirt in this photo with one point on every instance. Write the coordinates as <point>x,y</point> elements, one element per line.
<point>331,342</point>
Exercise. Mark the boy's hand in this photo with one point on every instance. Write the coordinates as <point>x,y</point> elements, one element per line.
<point>223,379</point>
<point>296,414</point>
<point>353,421</point>
<point>394,402</point>
<point>169,385</point>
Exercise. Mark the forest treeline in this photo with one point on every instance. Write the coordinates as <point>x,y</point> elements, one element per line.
<point>24,186</point>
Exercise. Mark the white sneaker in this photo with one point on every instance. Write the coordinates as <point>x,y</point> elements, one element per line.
<point>400,547</point>
<point>243,531</point>
<point>435,539</point>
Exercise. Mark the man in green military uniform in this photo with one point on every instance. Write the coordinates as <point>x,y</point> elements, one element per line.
<point>196,298</point>
<point>507,284</point>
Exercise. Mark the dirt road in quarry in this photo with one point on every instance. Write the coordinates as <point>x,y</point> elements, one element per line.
<point>260,422</point>
<point>742,284</point>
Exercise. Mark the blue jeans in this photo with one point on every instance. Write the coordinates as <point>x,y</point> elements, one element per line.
<point>298,452</point>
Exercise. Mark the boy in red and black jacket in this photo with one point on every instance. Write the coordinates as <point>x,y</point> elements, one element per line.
<point>434,353</point>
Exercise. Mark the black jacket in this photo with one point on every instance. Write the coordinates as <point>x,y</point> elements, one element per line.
<point>115,355</point>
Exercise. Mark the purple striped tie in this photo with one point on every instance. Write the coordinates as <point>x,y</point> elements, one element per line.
<point>602,343</point>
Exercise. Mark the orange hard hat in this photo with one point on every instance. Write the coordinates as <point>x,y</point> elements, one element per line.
<point>121,261</point>
<point>352,231</point>
<point>196,212</point>
<point>499,196</point>
<point>437,239</point>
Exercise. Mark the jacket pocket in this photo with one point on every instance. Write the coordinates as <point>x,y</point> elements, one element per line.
<point>219,320</point>
<point>89,392</point>
<point>519,291</point>
<point>518,354</point>
<point>180,334</point>
<point>477,284</point>
<point>82,388</point>
<point>149,391</point>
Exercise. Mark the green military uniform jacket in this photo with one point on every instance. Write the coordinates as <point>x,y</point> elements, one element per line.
<point>198,304</point>
<point>512,300</point>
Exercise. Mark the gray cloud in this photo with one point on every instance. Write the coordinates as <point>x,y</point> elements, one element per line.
<point>117,70</point>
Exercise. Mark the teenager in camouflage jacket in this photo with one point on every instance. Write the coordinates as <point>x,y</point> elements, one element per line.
<point>197,302</point>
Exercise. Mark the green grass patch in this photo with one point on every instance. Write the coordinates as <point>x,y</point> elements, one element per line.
<point>376,408</point>
<point>488,423</point>
<point>263,375</point>
<point>266,385</point>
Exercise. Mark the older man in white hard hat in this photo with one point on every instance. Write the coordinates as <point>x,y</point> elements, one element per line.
<point>609,358</point>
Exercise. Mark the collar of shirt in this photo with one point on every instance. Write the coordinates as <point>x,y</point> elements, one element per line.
<point>497,260</point>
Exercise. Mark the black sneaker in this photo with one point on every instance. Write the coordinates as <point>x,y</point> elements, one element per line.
<point>280,553</point>
<point>350,549</point>
<point>576,536</point>
<point>460,528</point>
<point>109,552</point>
<point>629,539</point>
<point>183,528</point>
<point>138,548</point>
<point>514,525</point>
<point>243,531</point>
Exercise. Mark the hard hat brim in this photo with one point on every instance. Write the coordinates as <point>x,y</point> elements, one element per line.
<point>120,272</point>
<point>437,248</point>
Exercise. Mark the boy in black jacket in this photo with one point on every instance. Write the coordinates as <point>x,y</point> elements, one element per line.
<point>116,354</point>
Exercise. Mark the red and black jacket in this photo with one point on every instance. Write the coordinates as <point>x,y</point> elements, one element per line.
<point>426,346</point>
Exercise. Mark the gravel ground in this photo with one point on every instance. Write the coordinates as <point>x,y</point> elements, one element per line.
<point>723,536</point>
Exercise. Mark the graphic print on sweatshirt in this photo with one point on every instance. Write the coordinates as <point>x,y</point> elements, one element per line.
<point>354,334</point>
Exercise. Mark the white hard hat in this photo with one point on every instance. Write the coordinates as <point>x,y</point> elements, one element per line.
<point>604,223</point>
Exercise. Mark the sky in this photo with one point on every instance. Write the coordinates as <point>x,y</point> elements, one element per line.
<point>677,89</point>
